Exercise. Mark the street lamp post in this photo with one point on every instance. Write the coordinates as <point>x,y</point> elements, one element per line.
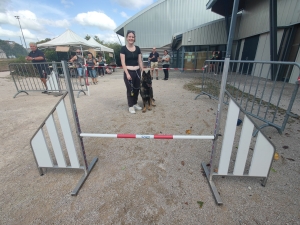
<point>18,18</point>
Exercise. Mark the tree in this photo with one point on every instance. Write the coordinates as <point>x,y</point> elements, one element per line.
<point>50,53</point>
<point>43,41</point>
<point>114,45</point>
<point>117,49</point>
<point>96,38</point>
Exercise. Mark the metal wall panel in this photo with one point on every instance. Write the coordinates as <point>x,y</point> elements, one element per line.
<point>255,17</point>
<point>295,72</point>
<point>263,52</point>
<point>157,25</point>
<point>212,33</point>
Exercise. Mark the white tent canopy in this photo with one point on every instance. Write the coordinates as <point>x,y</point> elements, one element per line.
<point>68,38</point>
<point>98,46</point>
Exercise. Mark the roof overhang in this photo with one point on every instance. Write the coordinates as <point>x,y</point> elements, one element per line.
<point>176,40</point>
<point>224,7</point>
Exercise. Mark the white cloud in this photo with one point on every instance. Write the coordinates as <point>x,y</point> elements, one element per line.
<point>97,19</point>
<point>110,37</point>
<point>9,33</point>
<point>3,4</point>
<point>137,4</point>
<point>66,3</point>
<point>56,23</point>
<point>123,14</point>
<point>29,20</point>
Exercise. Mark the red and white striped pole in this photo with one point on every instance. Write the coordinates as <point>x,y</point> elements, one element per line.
<point>149,136</point>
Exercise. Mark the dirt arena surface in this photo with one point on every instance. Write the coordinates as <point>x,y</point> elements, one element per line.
<point>137,181</point>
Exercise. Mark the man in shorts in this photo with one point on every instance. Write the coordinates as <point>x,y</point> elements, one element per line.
<point>36,56</point>
<point>79,62</point>
<point>153,57</point>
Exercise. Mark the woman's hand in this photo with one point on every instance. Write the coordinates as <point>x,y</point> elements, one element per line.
<point>128,77</point>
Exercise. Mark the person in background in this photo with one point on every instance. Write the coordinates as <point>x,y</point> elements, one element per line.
<point>166,63</point>
<point>131,60</point>
<point>101,62</point>
<point>79,62</point>
<point>212,64</point>
<point>217,64</point>
<point>91,62</point>
<point>36,56</point>
<point>153,57</point>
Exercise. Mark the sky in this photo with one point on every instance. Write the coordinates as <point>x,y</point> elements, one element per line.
<point>42,19</point>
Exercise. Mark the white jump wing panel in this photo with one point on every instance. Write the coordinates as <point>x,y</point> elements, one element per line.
<point>244,144</point>
<point>229,133</point>
<point>55,142</point>
<point>65,126</point>
<point>41,151</point>
<point>262,157</point>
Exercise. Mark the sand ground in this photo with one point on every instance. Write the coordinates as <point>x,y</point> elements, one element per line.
<point>137,181</point>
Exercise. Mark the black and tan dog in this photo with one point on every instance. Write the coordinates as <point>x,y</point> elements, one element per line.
<point>147,91</point>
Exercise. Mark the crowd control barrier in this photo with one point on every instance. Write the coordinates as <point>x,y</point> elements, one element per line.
<point>27,78</point>
<point>259,162</point>
<point>259,87</point>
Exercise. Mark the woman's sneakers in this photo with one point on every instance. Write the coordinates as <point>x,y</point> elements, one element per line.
<point>131,110</point>
<point>137,107</point>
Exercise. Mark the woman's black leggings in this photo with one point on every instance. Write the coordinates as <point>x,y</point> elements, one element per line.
<point>166,71</point>
<point>132,86</point>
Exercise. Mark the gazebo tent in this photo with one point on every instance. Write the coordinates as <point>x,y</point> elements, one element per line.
<point>98,46</point>
<point>68,38</point>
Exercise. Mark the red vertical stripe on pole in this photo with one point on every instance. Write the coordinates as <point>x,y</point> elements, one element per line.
<point>161,136</point>
<point>126,136</point>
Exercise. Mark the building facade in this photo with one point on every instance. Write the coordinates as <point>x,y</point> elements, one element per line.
<point>192,30</point>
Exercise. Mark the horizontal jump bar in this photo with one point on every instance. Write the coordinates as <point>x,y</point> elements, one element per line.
<point>149,136</point>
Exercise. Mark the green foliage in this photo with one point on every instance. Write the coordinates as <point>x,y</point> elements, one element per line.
<point>12,50</point>
<point>43,41</point>
<point>96,38</point>
<point>87,37</point>
<point>50,54</point>
<point>117,49</point>
<point>20,59</point>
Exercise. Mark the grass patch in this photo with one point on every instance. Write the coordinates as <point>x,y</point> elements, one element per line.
<point>212,86</point>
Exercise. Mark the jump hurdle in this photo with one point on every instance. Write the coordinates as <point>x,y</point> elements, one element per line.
<point>149,136</point>
<point>39,142</point>
<point>259,162</point>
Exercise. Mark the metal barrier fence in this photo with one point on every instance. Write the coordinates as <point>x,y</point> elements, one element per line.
<point>260,88</point>
<point>28,77</point>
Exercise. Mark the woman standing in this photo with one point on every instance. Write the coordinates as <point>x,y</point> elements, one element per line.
<point>166,63</point>
<point>131,60</point>
<point>101,61</point>
<point>91,62</point>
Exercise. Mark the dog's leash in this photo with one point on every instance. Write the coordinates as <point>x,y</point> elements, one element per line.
<point>131,85</point>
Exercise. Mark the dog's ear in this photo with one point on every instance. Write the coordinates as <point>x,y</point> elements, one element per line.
<point>148,72</point>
